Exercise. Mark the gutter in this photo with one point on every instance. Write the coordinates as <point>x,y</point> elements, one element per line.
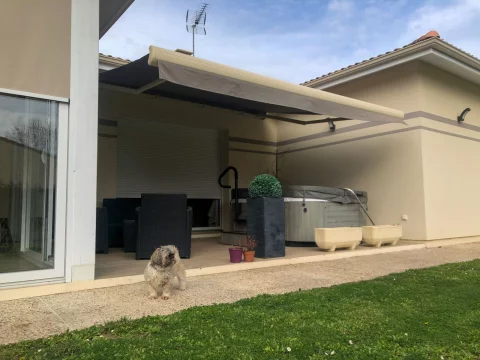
<point>419,49</point>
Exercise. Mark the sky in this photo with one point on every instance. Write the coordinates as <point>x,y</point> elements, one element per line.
<point>293,40</point>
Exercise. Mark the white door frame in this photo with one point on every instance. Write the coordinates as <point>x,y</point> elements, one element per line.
<point>58,271</point>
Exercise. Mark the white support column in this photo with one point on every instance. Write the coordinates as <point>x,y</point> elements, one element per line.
<point>82,146</point>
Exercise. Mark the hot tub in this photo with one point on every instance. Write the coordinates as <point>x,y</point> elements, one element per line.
<point>310,207</point>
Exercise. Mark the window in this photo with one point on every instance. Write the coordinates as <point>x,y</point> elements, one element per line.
<point>28,183</point>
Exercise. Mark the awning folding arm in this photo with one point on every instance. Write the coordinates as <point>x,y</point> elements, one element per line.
<point>329,120</point>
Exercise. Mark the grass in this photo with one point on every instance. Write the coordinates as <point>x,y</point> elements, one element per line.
<point>421,314</point>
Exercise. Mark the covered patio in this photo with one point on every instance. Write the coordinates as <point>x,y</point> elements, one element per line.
<point>170,123</point>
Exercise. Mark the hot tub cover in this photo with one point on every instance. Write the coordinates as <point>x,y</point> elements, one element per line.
<point>324,193</point>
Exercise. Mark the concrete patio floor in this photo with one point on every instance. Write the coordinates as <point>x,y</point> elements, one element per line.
<point>46,315</point>
<point>206,252</point>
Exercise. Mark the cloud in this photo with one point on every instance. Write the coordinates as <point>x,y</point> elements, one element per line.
<point>340,5</point>
<point>457,22</point>
<point>271,40</point>
<point>293,40</point>
<point>433,16</point>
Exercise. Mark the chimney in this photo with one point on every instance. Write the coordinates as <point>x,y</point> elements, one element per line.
<point>429,35</point>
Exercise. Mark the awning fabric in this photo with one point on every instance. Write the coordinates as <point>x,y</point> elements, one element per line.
<point>183,77</point>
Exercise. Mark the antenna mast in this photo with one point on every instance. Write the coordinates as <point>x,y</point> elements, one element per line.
<point>195,23</point>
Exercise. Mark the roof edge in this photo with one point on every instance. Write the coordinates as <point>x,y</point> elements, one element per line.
<point>110,60</point>
<point>410,50</point>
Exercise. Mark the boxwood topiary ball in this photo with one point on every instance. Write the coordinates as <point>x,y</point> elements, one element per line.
<point>265,186</point>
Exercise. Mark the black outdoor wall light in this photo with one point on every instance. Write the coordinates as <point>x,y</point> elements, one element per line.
<point>463,114</point>
<point>331,126</point>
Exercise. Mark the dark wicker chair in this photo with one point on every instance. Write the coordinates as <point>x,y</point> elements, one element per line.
<point>102,231</point>
<point>119,209</point>
<point>164,219</point>
<point>129,235</point>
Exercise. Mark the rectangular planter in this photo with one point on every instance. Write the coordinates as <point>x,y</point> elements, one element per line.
<point>382,235</point>
<point>337,238</point>
<point>266,223</point>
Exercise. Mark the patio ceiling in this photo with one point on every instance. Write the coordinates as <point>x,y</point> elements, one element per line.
<point>179,76</point>
<point>110,12</point>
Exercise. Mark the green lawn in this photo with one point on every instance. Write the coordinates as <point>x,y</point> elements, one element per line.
<point>424,314</point>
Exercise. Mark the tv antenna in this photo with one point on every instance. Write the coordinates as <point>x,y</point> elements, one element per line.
<point>195,22</point>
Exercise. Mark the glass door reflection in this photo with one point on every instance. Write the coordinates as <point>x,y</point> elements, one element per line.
<point>28,162</point>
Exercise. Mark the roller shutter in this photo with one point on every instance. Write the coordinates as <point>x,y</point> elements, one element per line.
<point>158,158</point>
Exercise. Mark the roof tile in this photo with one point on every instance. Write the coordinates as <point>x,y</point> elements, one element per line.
<point>429,35</point>
<point>114,57</point>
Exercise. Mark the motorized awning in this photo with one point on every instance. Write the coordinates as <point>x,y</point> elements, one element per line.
<point>176,75</point>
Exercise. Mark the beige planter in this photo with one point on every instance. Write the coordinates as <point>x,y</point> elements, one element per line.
<point>337,238</point>
<point>382,235</point>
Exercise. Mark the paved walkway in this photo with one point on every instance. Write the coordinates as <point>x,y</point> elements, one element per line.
<point>47,315</point>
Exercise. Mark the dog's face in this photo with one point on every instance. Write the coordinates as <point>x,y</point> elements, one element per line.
<point>164,256</point>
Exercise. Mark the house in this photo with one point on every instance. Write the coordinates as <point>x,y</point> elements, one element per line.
<point>166,122</point>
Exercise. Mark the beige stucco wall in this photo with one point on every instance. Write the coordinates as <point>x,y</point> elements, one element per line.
<point>397,87</point>
<point>451,161</point>
<point>35,46</point>
<point>115,105</point>
<point>448,95</point>
<point>452,175</point>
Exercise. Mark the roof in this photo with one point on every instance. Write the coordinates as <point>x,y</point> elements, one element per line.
<point>113,59</point>
<point>115,62</point>
<point>108,62</point>
<point>431,37</point>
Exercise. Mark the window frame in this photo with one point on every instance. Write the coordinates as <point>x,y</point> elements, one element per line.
<point>57,273</point>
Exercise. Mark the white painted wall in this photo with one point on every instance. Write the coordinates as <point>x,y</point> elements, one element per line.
<point>83,130</point>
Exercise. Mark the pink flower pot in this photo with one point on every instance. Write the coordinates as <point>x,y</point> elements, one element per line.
<point>235,255</point>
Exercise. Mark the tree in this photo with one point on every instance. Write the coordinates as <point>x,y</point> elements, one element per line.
<point>36,134</point>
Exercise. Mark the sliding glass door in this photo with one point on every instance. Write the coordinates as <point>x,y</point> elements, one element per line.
<point>32,189</point>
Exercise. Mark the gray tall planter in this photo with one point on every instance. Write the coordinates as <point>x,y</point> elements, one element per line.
<point>266,223</point>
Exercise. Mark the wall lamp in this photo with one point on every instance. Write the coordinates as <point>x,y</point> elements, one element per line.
<point>331,125</point>
<point>463,114</point>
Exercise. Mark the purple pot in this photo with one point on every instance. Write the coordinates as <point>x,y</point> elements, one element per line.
<point>235,255</point>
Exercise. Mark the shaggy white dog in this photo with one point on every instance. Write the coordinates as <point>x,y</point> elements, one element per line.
<point>164,265</point>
